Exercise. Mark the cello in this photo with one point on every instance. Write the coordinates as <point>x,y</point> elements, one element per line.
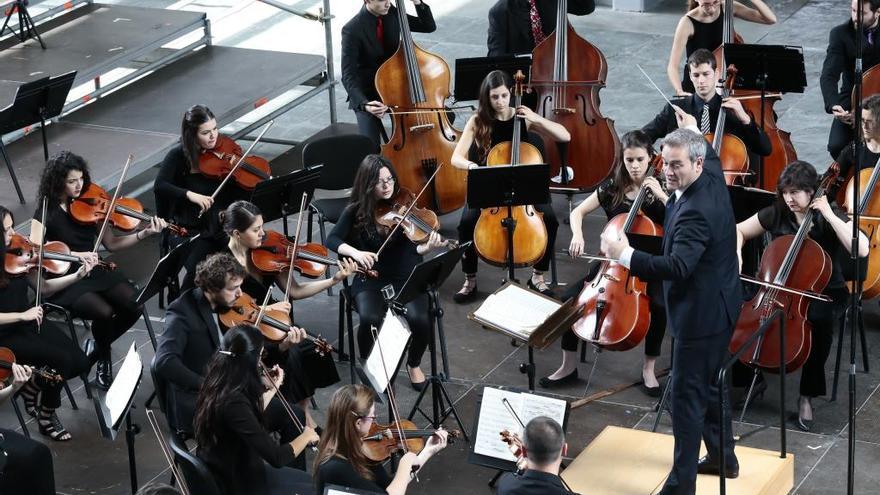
<point>799,264</point>
<point>869,223</point>
<point>567,73</point>
<point>416,82</point>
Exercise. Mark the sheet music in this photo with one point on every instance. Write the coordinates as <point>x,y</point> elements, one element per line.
<point>123,386</point>
<point>393,337</point>
<point>494,418</point>
<point>537,405</point>
<point>517,310</point>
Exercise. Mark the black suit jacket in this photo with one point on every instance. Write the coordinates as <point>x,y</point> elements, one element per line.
<point>752,136</point>
<point>698,266</point>
<point>510,27</point>
<point>190,340</point>
<point>838,70</point>
<point>362,55</point>
<point>530,483</point>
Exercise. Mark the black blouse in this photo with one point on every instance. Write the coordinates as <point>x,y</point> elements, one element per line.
<point>651,207</point>
<point>60,226</point>
<point>14,298</point>
<point>708,35</point>
<point>338,471</point>
<point>502,130</point>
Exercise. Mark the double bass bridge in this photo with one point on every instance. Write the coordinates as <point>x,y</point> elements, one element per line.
<point>422,128</point>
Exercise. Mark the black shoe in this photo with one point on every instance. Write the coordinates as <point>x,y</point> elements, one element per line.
<point>547,292</point>
<point>462,297</point>
<point>801,423</point>
<point>708,466</point>
<point>547,382</point>
<point>419,386</point>
<point>104,374</point>
<point>652,391</point>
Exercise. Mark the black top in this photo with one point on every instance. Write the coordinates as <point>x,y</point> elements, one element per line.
<point>243,444</point>
<point>531,483</point>
<point>838,69</point>
<point>338,471</point>
<point>846,159</point>
<point>653,209</point>
<point>502,130</point>
<point>778,220</point>
<point>708,35</point>
<point>510,26</point>
<point>14,299</point>
<point>395,263</point>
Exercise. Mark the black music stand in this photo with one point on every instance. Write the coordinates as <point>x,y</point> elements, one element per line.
<point>280,196</point>
<point>470,72</point>
<point>508,186</point>
<point>26,27</point>
<point>776,68</point>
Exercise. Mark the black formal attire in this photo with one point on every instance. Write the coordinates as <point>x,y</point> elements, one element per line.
<point>838,76</point>
<point>703,295</point>
<point>105,297</point>
<point>502,130</point>
<point>238,460</point>
<point>510,25</point>
<point>29,469</point>
<point>175,178</point>
<point>48,346</point>
<point>338,471</point>
<point>363,54</point>
<point>530,482</point>
<point>708,35</point>
<point>847,162</point>
<point>778,220</point>
<point>395,264</point>
<point>656,211</point>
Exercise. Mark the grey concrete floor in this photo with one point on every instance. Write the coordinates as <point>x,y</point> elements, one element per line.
<point>478,357</point>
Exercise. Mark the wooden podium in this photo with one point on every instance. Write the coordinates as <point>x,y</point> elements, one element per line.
<point>624,461</point>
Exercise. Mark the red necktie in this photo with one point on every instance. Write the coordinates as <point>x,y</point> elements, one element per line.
<point>380,32</point>
<point>537,29</point>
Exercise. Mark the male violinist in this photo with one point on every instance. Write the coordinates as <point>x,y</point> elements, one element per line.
<point>517,26</point>
<point>544,444</point>
<point>369,39</point>
<point>838,70</point>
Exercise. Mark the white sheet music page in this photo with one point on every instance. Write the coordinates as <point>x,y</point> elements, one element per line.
<point>393,337</point>
<point>495,418</point>
<point>538,405</point>
<point>123,385</point>
<point>517,310</point>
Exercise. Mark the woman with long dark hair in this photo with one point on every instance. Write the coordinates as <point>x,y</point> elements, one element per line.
<point>493,124</point>
<point>358,236</point>
<point>229,422</point>
<point>107,298</point>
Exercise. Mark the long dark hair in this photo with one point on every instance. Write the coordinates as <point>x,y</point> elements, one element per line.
<point>189,132</point>
<point>485,116</point>
<point>55,174</point>
<point>4,212</point>
<point>363,197</point>
<point>621,178</point>
<point>341,437</point>
<point>232,371</point>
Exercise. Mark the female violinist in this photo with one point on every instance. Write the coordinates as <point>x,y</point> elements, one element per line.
<point>230,419</point>
<point>49,346</point>
<point>341,458</point>
<point>306,370</point>
<point>107,298</point>
<point>492,124</point>
<point>615,196</point>
<point>358,235</point>
<point>832,230</point>
<point>703,27</point>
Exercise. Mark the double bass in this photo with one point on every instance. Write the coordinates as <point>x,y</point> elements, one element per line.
<point>416,82</point>
<point>567,74</point>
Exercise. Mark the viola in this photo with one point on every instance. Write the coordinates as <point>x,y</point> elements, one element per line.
<point>312,259</point>
<point>90,208</point>
<point>274,325</point>
<point>417,223</point>
<point>219,161</point>
<point>383,440</point>
<point>869,223</point>
<point>22,256</point>
<point>7,359</point>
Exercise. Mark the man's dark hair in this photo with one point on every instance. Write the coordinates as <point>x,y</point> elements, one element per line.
<point>543,439</point>
<point>703,56</point>
<point>213,272</point>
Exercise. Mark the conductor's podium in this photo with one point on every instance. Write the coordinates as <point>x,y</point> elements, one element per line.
<point>622,461</point>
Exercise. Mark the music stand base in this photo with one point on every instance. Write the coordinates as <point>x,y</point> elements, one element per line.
<point>26,27</point>
<point>131,429</point>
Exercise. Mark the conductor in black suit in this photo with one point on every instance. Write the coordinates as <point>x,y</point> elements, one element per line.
<point>512,30</point>
<point>369,39</point>
<point>838,70</point>
<point>701,287</point>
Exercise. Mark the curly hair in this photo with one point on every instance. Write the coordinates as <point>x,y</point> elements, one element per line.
<point>485,115</point>
<point>54,176</point>
<point>213,272</point>
<point>363,199</point>
<point>341,438</point>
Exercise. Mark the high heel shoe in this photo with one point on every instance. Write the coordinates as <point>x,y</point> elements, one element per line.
<point>547,382</point>
<point>464,295</point>
<point>547,291</point>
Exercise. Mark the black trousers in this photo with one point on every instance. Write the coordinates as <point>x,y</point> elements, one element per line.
<point>839,136</point>
<point>371,126</point>
<point>50,347</point>
<point>29,468</point>
<point>469,217</point>
<point>371,311</point>
<point>824,317</point>
<point>278,420</point>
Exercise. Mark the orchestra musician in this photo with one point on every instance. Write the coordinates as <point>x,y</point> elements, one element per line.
<point>838,70</point>
<point>229,422</point>
<point>870,149</point>
<point>36,341</point>
<point>105,297</point>
<point>703,298</point>
<point>358,235</point>
<point>832,230</point>
<point>517,26</point>
<point>341,459</point>
<point>544,445</point>
<point>615,196</point>
<point>703,27</point>
<point>369,39</point>
<point>493,124</point>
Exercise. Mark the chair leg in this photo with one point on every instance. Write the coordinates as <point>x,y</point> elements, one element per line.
<point>349,322</point>
<point>85,376</point>
<point>309,224</point>
<point>73,404</point>
<point>11,172</point>
<point>340,329</point>
<point>553,278</point>
<point>24,428</point>
<point>149,325</point>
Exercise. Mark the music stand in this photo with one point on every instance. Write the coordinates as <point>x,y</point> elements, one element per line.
<point>289,189</point>
<point>776,68</point>
<point>470,72</point>
<point>508,186</point>
<point>164,275</point>
<point>26,26</point>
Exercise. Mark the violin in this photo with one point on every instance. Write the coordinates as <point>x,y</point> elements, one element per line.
<point>274,325</point>
<point>417,223</point>
<point>7,359</point>
<point>869,223</point>
<point>517,448</point>
<point>312,259</point>
<point>22,256</point>
<point>383,440</point>
<point>795,262</point>
<point>90,208</point>
<point>219,161</point>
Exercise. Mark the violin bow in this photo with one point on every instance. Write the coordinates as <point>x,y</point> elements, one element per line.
<point>166,451</point>
<point>409,209</point>
<point>287,407</point>
<point>263,306</point>
<point>112,204</point>
<point>239,162</point>
<point>38,298</point>
<point>299,222</point>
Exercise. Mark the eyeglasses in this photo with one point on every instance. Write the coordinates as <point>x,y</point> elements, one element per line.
<point>387,182</point>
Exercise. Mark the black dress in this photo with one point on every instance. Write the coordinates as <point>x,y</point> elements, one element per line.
<point>338,471</point>
<point>708,35</point>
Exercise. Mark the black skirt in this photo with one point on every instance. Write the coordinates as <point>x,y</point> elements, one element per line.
<point>99,280</point>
